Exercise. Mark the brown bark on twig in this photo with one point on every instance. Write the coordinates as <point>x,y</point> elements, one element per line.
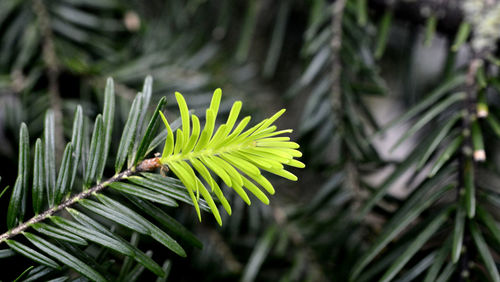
<point>146,165</point>
<point>336,44</point>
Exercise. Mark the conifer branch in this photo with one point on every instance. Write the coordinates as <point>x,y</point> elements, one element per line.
<point>468,152</point>
<point>144,166</point>
<point>53,71</point>
<point>336,45</point>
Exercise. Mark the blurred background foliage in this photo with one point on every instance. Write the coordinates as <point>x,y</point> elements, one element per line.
<point>361,210</point>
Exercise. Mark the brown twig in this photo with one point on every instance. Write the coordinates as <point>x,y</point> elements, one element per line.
<point>146,165</point>
<point>471,89</point>
<point>336,44</point>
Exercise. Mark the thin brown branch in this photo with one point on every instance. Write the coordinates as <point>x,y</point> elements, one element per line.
<point>466,153</point>
<point>50,59</point>
<point>471,89</point>
<point>336,44</point>
<point>146,165</point>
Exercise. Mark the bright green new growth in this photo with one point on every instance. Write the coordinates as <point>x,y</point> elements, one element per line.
<point>235,155</point>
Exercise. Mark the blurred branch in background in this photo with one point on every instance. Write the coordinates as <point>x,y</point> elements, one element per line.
<point>336,44</point>
<point>50,59</point>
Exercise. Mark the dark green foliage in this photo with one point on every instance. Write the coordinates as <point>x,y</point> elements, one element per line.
<point>410,199</point>
<point>143,191</point>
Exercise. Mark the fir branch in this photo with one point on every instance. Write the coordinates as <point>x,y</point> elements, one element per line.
<point>469,156</point>
<point>144,166</point>
<point>336,45</point>
<point>53,71</point>
<point>467,152</point>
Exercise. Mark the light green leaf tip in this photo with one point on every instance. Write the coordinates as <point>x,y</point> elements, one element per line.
<point>236,155</point>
